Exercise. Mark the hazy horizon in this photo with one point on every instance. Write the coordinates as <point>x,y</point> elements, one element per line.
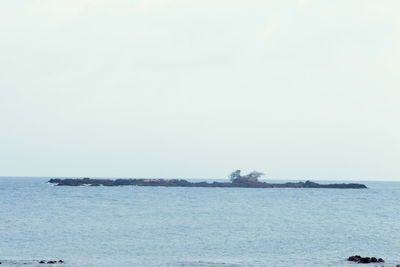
<point>209,179</point>
<point>298,89</point>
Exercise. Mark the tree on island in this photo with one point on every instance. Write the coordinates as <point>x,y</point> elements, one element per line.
<point>235,177</point>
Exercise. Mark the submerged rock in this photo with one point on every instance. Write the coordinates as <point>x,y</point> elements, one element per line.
<point>51,262</point>
<point>359,259</point>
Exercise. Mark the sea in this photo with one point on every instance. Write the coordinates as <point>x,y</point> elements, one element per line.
<point>196,227</point>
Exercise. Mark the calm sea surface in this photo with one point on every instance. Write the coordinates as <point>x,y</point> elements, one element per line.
<point>158,226</point>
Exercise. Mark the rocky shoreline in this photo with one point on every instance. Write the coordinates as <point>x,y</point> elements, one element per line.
<point>185,183</point>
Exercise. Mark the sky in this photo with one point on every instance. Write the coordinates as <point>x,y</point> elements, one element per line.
<point>297,89</point>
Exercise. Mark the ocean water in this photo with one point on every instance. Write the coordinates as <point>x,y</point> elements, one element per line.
<point>207,227</point>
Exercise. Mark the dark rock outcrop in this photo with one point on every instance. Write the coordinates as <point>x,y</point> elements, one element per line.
<point>359,259</point>
<point>51,262</point>
<point>309,184</point>
<point>185,183</point>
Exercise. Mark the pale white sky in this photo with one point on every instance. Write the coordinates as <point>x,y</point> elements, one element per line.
<point>179,88</point>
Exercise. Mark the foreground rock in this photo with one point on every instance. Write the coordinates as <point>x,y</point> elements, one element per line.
<point>359,259</point>
<point>185,183</point>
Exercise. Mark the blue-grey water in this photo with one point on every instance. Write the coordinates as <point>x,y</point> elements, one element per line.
<point>159,226</point>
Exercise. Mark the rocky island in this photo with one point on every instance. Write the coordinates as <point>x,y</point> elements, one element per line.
<point>236,180</point>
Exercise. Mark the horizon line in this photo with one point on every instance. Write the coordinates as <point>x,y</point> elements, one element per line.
<point>110,177</point>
